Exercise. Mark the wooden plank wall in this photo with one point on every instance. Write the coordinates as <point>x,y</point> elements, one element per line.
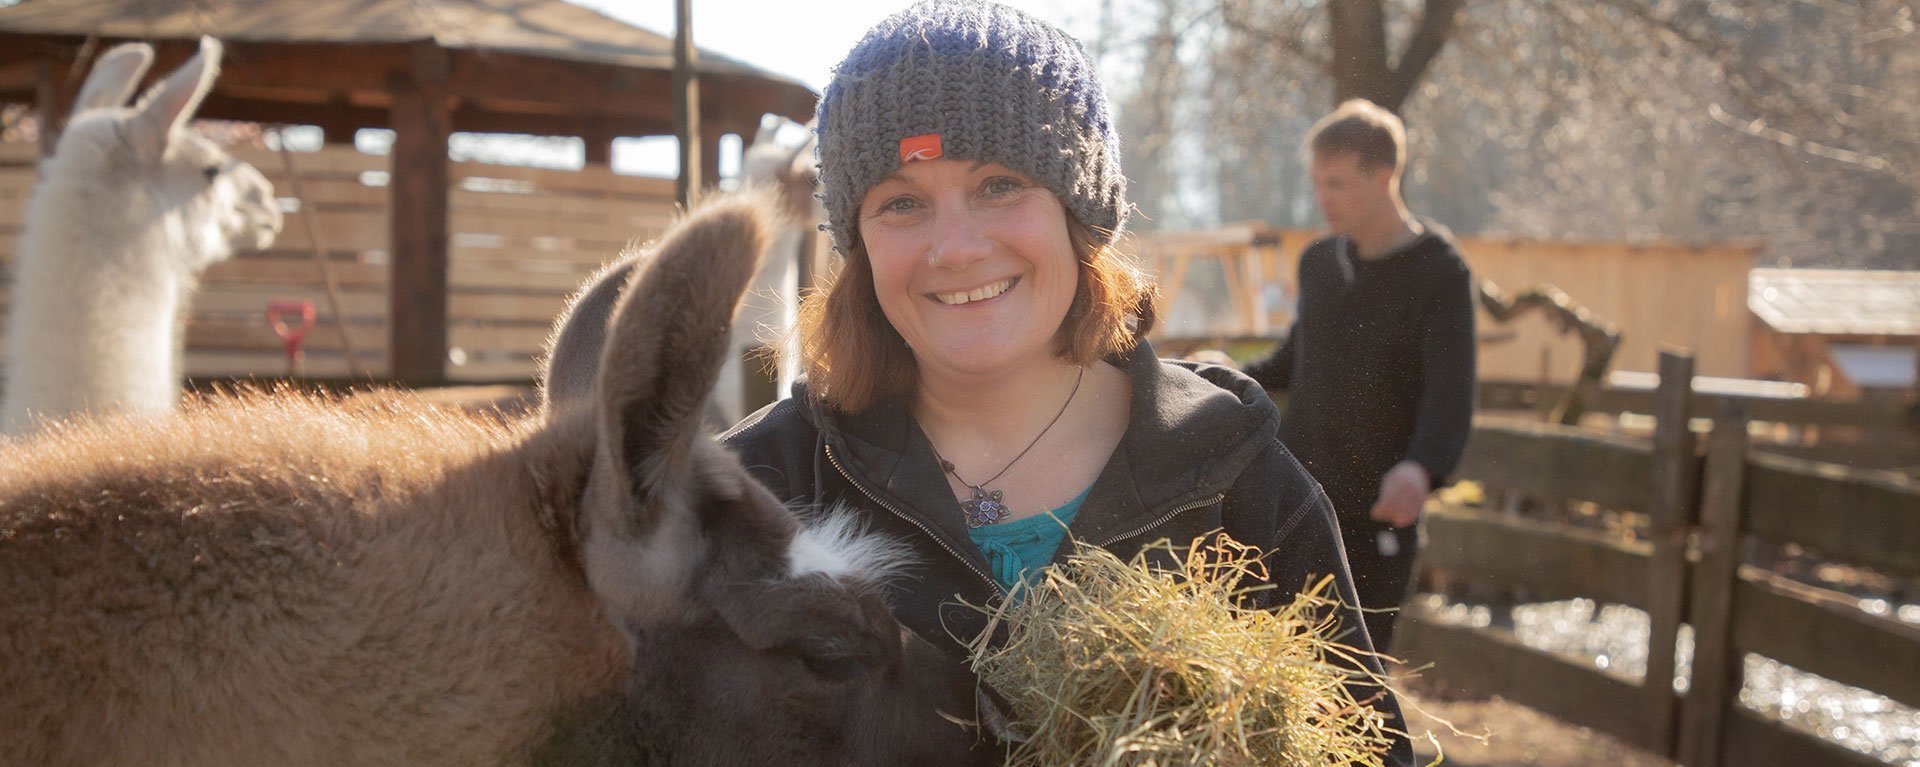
<point>17,175</point>
<point>1848,516</point>
<point>1691,296</point>
<point>522,240</point>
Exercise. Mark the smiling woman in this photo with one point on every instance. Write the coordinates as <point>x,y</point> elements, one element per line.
<point>971,264</point>
<point>978,383</point>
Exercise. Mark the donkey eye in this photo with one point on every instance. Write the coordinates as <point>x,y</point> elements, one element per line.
<point>211,172</point>
<point>838,668</point>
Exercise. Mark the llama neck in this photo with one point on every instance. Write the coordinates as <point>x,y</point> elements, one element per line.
<point>99,283</point>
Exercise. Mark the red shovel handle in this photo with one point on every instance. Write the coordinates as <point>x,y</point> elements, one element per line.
<point>278,312</point>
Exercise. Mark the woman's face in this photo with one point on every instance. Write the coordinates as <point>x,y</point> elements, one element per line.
<point>971,264</point>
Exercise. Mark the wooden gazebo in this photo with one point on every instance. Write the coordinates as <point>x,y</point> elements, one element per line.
<point>422,69</point>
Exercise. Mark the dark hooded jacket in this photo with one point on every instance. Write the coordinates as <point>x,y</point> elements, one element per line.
<point>1201,453</point>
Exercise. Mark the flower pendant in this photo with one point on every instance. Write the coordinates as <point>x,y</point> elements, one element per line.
<point>984,508</point>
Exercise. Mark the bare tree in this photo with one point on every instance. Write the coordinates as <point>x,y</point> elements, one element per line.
<point>1150,117</point>
<point>1614,119</point>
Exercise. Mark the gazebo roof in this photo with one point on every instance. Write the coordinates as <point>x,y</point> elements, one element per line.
<point>424,68</point>
<point>524,58</point>
<point>548,28</point>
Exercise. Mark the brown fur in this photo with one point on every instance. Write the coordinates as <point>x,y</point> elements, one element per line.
<point>274,578</point>
<point>305,619</point>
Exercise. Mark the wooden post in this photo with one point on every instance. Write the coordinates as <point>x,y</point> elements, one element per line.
<point>1674,480</point>
<point>686,105</point>
<point>54,95</point>
<point>710,135</point>
<point>599,145</point>
<point>1915,394</point>
<point>417,291</point>
<point>1716,667</point>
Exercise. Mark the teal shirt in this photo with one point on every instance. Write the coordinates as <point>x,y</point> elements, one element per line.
<point>1014,549</point>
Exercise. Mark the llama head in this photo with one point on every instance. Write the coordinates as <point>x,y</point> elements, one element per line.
<point>787,165</point>
<point>145,161</point>
<point>754,641</point>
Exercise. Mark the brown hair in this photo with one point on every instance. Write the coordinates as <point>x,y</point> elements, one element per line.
<point>854,357</point>
<point>1364,130</point>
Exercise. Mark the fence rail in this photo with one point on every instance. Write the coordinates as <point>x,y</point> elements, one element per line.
<point>1870,413</point>
<point>1744,498</point>
<point>522,239</point>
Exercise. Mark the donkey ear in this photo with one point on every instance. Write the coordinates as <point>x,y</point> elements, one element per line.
<point>831,627</point>
<point>171,103</point>
<point>115,74</point>
<point>573,351</point>
<point>666,343</point>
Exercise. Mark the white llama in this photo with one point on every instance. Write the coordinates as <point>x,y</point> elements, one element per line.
<point>128,212</point>
<point>768,312</point>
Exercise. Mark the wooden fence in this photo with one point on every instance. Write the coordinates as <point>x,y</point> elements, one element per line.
<point>522,239</point>
<point>1872,433</point>
<point>1238,281</point>
<point>1704,513</point>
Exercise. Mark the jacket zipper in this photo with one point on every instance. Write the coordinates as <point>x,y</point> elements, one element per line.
<point>857,485</point>
<point>1177,511</point>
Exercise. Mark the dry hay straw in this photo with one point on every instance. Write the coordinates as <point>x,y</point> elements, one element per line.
<point>1118,663</point>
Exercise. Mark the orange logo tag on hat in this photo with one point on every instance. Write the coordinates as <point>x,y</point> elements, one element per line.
<point>925,146</point>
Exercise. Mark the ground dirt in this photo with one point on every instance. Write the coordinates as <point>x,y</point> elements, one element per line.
<point>1495,732</point>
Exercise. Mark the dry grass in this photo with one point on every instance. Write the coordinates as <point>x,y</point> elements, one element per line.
<point>1117,663</point>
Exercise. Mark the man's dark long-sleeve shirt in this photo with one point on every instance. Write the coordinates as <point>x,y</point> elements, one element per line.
<point>1379,365</point>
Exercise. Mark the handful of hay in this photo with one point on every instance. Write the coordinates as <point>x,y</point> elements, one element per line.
<point>1118,663</point>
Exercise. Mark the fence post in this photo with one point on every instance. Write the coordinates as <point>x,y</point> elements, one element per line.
<point>420,245</point>
<point>1674,480</point>
<point>1716,670</point>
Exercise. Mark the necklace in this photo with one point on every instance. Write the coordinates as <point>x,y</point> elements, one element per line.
<point>986,507</point>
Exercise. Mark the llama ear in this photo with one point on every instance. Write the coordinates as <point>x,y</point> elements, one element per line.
<point>115,74</point>
<point>169,105</point>
<point>666,343</point>
<point>664,502</point>
<point>573,350</point>
<point>826,626</point>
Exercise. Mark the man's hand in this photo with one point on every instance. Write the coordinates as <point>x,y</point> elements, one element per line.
<point>1402,494</point>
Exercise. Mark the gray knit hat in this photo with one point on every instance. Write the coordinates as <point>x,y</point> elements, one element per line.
<point>969,80</point>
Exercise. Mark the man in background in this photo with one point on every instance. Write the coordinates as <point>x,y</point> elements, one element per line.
<point>1379,365</point>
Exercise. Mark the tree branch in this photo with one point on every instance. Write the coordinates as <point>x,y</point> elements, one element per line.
<point>1358,66</point>
<point>1437,19</point>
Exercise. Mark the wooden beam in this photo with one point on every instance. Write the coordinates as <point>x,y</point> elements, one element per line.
<point>465,116</point>
<point>417,297</point>
<point>1562,462</point>
<point>1492,662</point>
<point>630,96</point>
<point>1755,742</point>
<point>1873,414</point>
<point>686,105</point>
<point>1552,560</point>
<point>1716,666</point>
<point>1670,507</point>
<point>53,100</point>
<point>1860,517</point>
<point>710,154</point>
<point>599,145</point>
<point>1826,633</point>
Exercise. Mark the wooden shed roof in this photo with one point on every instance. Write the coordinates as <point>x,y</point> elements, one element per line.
<point>1836,301</point>
<point>546,28</point>
<point>516,66</point>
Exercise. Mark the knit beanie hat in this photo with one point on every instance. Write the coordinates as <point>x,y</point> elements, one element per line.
<point>974,81</point>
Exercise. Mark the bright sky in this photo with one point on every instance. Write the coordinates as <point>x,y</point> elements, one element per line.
<point>801,39</point>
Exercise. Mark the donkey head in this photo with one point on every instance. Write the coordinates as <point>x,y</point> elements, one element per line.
<point>754,641</point>
<point>150,164</point>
